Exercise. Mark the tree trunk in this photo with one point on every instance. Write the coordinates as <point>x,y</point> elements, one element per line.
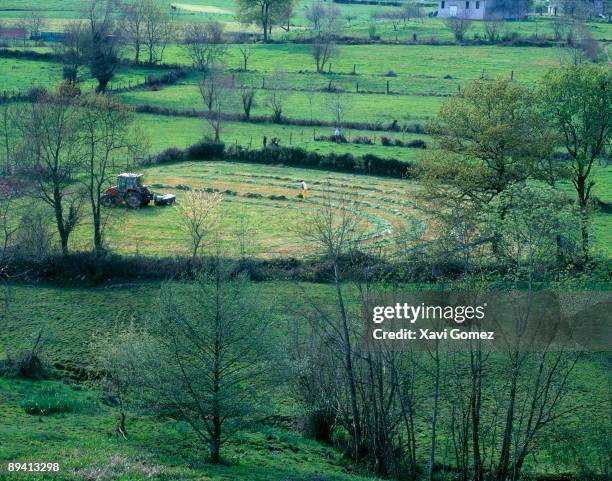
<point>584,216</point>
<point>102,84</point>
<point>475,415</point>
<point>434,417</point>
<point>504,458</point>
<point>264,21</point>
<point>348,360</point>
<point>59,219</point>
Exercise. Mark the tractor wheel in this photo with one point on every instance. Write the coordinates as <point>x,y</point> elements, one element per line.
<point>106,201</point>
<point>133,201</point>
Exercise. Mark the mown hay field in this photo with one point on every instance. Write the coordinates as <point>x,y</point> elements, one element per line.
<point>263,202</point>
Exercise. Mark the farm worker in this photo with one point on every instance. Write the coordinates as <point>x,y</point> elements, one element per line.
<point>338,135</point>
<point>304,193</point>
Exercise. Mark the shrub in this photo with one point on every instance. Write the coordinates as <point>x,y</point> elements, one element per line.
<point>363,140</point>
<point>417,144</point>
<point>166,78</point>
<point>36,93</point>
<point>205,151</point>
<point>386,141</point>
<point>49,400</point>
<point>27,363</point>
<point>293,156</point>
<point>171,154</point>
<point>24,364</point>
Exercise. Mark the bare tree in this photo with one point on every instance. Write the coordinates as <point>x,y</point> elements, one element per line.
<point>315,13</point>
<point>214,90</point>
<point>133,23</point>
<point>8,132</point>
<point>333,229</point>
<point>198,217</point>
<point>276,94</point>
<point>246,50</point>
<point>323,49</point>
<point>245,233</point>
<point>73,49</point>
<point>207,355</point>
<point>102,40</point>
<point>339,106</point>
<point>204,43</point>
<point>115,355</point>
<point>108,140</point>
<point>158,29</point>
<point>459,27</point>
<point>23,25</point>
<point>36,23</point>
<point>51,153</point>
<point>247,97</point>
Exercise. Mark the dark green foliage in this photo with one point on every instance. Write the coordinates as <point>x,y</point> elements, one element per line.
<point>25,364</point>
<point>290,156</point>
<point>205,151</point>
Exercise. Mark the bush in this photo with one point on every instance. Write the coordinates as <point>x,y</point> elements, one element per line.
<point>49,400</point>
<point>171,154</point>
<point>24,364</point>
<point>205,151</point>
<point>166,78</point>
<point>363,140</point>
<point>417,144</point>
<point>386,141</point>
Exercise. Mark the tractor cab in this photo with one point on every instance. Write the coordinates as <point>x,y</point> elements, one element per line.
<point>128,181</point>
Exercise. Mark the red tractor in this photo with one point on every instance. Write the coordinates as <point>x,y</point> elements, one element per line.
<point>131,191</point>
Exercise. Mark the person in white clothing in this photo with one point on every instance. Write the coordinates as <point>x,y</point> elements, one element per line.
<point>304,192</point>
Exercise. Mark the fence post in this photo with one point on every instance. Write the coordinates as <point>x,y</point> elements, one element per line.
<point>357,87</point>
<point>354,68</point>
<point>387,86</point>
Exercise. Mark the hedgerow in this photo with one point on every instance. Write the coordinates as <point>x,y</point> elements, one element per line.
<point>291,156</point>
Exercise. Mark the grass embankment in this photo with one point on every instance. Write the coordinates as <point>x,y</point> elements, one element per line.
<point>83,443</point>
<point>81,438</point>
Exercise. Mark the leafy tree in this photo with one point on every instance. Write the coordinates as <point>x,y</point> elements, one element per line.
<point>489,137</point>
<point>577,101</point>
<point>199,216</point>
